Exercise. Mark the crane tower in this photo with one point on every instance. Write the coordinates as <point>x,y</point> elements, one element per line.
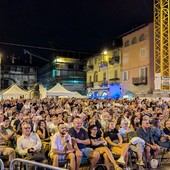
<point>161,43</point>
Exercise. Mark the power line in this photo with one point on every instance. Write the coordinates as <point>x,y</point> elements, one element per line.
<point>44,48</point>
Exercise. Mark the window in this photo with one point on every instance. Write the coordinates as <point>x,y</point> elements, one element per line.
<point>95,77</point>
<point>143,52</point>
<point>104,77</point>
<point>115,74</point>
<point>127,43</point>
<point>134,40</point>
<point>70,66</point>
<point>142,37</point>
<point>125,75</point>
<point>143,72</point>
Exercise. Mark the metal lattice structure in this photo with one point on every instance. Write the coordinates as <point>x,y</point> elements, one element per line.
<point>161,41</point>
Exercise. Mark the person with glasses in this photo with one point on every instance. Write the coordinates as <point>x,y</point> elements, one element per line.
<point>99,145</point>
<point>30,143</point>
<point>145,133</point>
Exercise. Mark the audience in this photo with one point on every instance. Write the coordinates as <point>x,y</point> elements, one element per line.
<point>86,127</point>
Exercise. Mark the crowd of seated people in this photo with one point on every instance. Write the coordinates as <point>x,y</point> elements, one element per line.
<point>53,130</point>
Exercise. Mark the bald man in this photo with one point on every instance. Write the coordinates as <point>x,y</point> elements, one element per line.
<point>81,138</point>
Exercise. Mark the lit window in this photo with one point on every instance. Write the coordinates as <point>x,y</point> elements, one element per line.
<point>104,95</point>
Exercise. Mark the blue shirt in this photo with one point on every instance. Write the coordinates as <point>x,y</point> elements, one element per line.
<point>82,135</point>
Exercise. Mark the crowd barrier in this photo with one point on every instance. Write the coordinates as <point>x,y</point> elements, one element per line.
<point>1,164</point>
<point>35,164</point>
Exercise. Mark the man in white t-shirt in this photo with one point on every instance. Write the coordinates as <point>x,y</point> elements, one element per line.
<point>61,147</point>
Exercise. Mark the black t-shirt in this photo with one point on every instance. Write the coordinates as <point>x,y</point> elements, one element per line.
<point>112,134</point>
<point>95,139</point>
<point>82,135</point>
<point>167,131</point>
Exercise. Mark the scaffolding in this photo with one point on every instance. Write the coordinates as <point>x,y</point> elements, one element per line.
<point>161,42</point>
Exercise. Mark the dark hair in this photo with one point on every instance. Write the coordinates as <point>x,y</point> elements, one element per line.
<point>90,128</point>
<point>61,123</point>
<point>39,123</point>
<point>132,121</point>
<point>155,122</point>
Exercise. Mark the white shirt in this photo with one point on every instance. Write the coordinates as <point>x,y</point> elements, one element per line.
<point>58,142</point>
<point>24,143</point>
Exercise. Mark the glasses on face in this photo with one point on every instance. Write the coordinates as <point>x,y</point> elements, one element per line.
<point>27,127</point>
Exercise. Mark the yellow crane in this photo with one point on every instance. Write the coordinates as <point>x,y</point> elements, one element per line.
<point>162,42</point>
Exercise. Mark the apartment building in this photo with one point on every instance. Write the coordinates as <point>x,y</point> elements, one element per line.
<point>103,74</point>
<point>138,61</point>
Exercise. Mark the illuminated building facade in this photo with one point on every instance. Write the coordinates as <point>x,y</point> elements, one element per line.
<point>66,71</point>
<point>103,74</point>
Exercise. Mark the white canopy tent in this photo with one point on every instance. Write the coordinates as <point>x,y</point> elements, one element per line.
<point>15,92</point>
<point>59,90</point>
<point>79,96</point>
<point>43,92</point>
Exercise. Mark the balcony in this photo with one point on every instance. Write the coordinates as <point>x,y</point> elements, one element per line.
<point>139,81</point>
<point>115,80</point>
<point>103,64</point>
<point>114,60</point>
<point>88,67</point>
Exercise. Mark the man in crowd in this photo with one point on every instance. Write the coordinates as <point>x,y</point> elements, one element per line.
<point>4,149</point>
<point>30,143</point>
<point>61,147</point>
<point>145,133</point>
<point>80,136</point>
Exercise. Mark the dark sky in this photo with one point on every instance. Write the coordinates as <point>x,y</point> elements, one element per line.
<point>82,25</point>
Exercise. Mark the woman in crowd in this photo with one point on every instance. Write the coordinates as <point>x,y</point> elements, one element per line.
<point>99,145</point>
<point>134,123</point>
<point>44,135</point>
<point>69,121</point>
<point>115,141</point>
<point>42,131</point>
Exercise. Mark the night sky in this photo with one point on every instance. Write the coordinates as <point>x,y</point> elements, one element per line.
<point>81,25</point>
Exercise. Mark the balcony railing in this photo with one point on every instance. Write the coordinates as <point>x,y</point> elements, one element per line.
<point>88,67</point>
<point>139,81</point>
<point>114,60</point>
<point>114,80</point>
<point>103,64</point>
